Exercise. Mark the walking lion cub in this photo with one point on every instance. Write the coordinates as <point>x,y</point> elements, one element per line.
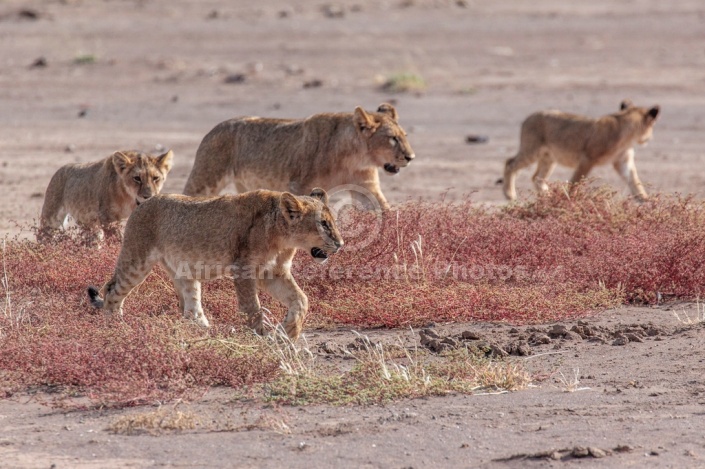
<point>251,237</point>
<point>101,193</point>
<point>296,155</point>
<point>555,137</point>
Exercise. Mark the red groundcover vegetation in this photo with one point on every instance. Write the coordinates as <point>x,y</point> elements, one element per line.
<point>555,257</point>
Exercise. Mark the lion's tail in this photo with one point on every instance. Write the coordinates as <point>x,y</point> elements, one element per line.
<point>94,297</point>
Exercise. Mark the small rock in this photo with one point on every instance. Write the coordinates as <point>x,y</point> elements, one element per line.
<point>175,98</point>
<point>557,330</point>
<point>513,330</point>
<point>538,338</point>
<point>623,449</point>
<point>315,83</point>
<point>497,351</point>
<point>28,14</point>
<point>518,348</point>
<point>580,452</point>
<point>470,335</point>
<point>360,344</point>
<point>214,14</point>
<point>329,347</point>
<point>450,342</point>
<point>294,69</point>
<point>620,341</point>
<point>436,345</point>
<point>429,333</point>
<point>633,337</point>
<point>333,11</point>
<point>570,335</point>
<point>597,452</point>
<point>235,78</point>
<point>431,340</point>
<point>83,113</point>
<point>40,62</point>
<point>476,139</point>
<point>70,148</point>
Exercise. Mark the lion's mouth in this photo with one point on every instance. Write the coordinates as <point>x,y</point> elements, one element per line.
<point>319,254</point>
<point>137,201</point>
<point>390,168</point>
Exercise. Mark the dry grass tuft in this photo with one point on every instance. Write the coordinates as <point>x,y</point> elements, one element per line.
<point>155,422</point>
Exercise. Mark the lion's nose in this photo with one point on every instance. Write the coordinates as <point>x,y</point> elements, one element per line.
<point>339,244</point>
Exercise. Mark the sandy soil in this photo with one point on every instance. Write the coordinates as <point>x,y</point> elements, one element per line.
<point>158,78</point>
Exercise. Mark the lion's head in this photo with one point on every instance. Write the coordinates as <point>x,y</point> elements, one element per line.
<point>386,140</point>
<point>642,118</point>
<point>142,175</point>
<point>310,224</point>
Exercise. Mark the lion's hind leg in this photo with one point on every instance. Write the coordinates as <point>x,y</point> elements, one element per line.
<point>522,159</point>
<point>129,273</point>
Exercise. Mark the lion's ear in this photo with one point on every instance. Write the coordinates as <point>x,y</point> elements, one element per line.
<point>364,122</point>
<point>626,104</point>
<point>653,113</point>
<point>165,161</point>
<point>386,108</point>
<point>291,208</point>
<point>320,194</point>
<point>122,162</point>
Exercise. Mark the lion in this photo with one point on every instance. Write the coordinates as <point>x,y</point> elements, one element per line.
<point>295,155</point>
<point>553,137</point>
<point>251,237</point>
<point>101,193</point>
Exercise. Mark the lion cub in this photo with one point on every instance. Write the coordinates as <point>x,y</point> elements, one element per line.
<point>251,237</point>
<point>100,193</point>
<point>553,137</point>
<point>295,155</point>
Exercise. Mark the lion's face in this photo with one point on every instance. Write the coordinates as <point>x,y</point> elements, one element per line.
<point>142,175</point>
<point>311,225</point>
<point>386,140</point>
<point>642,118</point>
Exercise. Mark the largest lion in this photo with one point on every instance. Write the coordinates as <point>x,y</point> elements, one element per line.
<point>296,155</point>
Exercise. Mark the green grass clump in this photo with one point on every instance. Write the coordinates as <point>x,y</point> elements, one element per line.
<point>404,82</point>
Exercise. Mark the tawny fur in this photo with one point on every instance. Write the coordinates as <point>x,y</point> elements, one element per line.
<point>555,137</point>
<point>296,155</point>
<point>99,194</point>
<point>252,237</point>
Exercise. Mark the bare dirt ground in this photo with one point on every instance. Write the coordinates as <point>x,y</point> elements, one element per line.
<point>81,79</point>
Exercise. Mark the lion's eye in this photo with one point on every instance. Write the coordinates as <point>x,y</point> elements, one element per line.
<point>137,179</point>
<point>155,179</point>
<point>324,225</point>
<point>393,141</point>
